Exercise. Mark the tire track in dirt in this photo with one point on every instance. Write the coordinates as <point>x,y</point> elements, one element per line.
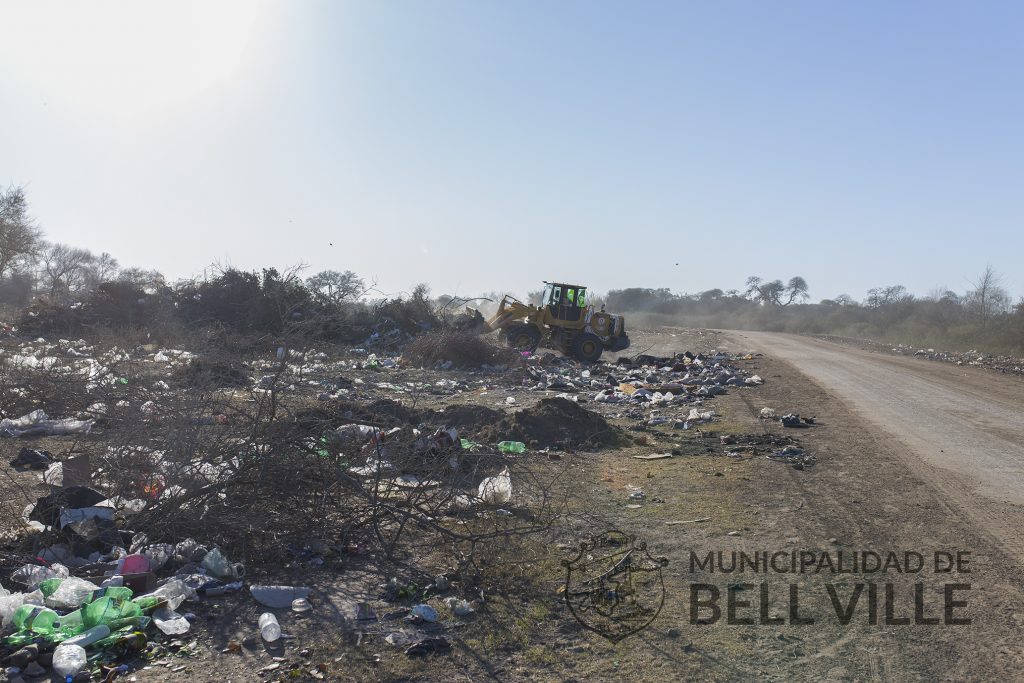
<point>963,433</point>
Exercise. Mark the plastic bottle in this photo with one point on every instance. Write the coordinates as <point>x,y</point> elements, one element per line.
<point>68,660</point>
<point>36,619</point>
<point>71,623</point>
<point>89,637</point>
<point>133,642</point>
<point>107,610</point>
<point>173,593</point>
<point>70,593</point>
<point>270,630</point>
<point>111,592</point>
<point>512,447</point>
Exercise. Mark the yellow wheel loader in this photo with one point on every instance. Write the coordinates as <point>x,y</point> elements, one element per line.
<point>563,321</point>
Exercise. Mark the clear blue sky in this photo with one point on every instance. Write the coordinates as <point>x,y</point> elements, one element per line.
<point>487,146</point>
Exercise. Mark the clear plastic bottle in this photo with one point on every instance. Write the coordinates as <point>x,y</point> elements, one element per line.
<point>68,660</point>
<point>270,630</point>
<point>172,593</point>
<point>36,619</point>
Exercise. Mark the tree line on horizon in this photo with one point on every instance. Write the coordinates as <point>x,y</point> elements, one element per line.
<point>34,270</point>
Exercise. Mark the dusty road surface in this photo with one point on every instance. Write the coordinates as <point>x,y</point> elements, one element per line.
<point>960,429</point>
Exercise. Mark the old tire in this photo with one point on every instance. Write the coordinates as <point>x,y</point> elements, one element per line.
<point>587,347</point>
<point>523,337</point>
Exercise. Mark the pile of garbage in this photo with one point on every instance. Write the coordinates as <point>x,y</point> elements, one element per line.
<point>777,448</point>
<point>1004,364</point>
<point>681,378</point>
<point>98,618</point>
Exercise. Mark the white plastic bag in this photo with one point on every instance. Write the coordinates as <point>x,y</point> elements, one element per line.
<point>496,490</point>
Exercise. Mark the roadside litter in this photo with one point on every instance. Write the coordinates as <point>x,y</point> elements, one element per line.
<point>37,423</point>
<point>792,455</point>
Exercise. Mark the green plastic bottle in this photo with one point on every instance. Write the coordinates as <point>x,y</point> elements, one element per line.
<point>49,587</point>
<point>108,610</point>
<point>131,641</point>
<point>111,592</point>
<point>148,603</point>
<point>36,619</point>
<point>512,447</point>
<point>71,623</point>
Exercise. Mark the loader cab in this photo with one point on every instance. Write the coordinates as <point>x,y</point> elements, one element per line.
<point>566,302</point>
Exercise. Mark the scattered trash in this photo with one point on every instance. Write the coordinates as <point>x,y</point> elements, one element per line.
<point>458,607</point>
<point>428,645</point>
<point>33,459</point>
<point>37,423</point>
<point>794,456</point>
<point>425,613</point>
<point>792,420</point>
<point>689,521</point>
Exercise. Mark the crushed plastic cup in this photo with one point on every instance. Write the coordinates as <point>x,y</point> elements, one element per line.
<point>170,622</point>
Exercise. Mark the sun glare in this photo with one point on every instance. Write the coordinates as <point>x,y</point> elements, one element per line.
<point>124,58</point>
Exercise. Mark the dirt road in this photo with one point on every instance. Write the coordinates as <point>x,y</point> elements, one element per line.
<point>960,429</point>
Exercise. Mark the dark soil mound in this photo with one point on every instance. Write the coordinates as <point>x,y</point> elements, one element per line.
<point>464,417</point>
<point>554,422</point>
<point>331,414</point>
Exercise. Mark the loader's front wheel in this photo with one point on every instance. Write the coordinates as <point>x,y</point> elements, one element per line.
<point>587,347</point>
<point>523,337</point>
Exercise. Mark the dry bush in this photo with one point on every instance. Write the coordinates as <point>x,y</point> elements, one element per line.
<point>253,470</point>
<point>463,349</point>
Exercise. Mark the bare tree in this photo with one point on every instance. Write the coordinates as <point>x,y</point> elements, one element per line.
<point>20,239</point>
<point>65,269</point>
<point>143,279</point>
<point>770,293</point>
<point>988,297</point>
<point>753,287</point>
<point>796,290</point>
<point>885,296</point>
<point>331,286</point>
<point>103,269</point>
